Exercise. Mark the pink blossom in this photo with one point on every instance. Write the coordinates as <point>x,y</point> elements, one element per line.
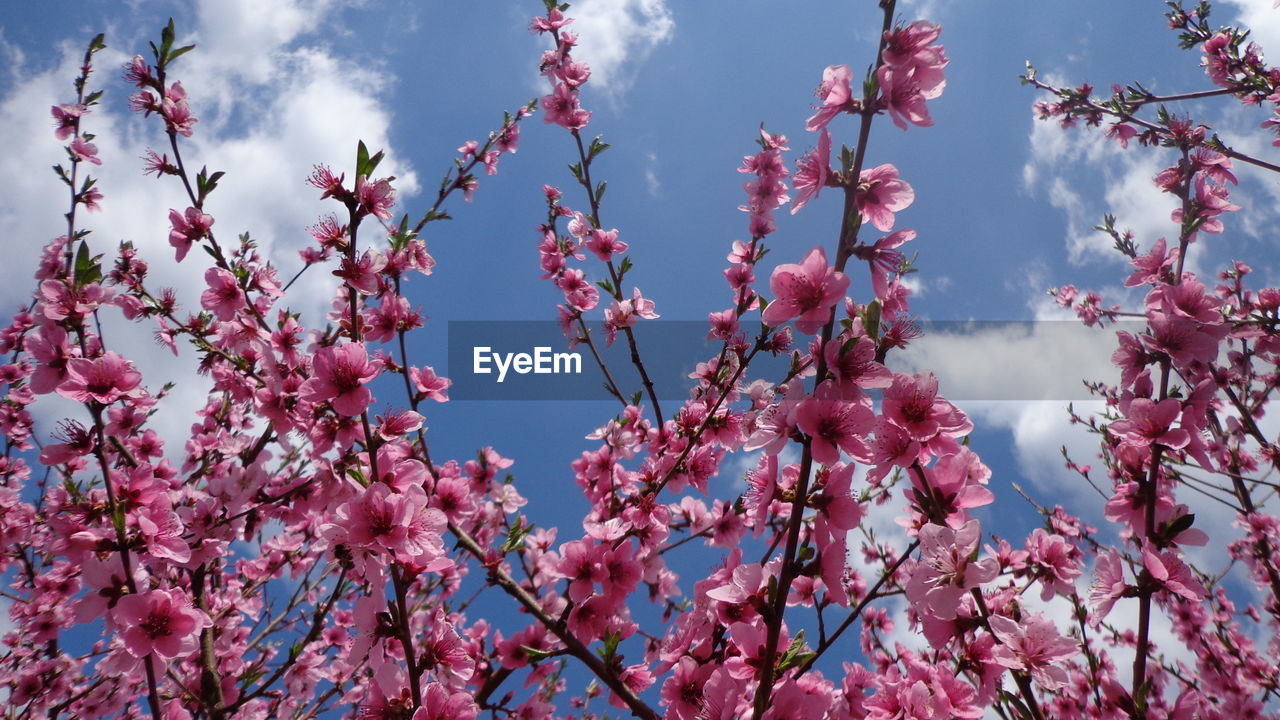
<point>159,622</point>
<point>224,297</point>
<point>561,108</point>
<point>1056,563</point>
<point>1172,574</point>
<point>398,522</point>
<point>104,380</point>
<point>188,227</point>
<point>880,194</point>
<point>912,403</point>
<point>67,118</point>
<point>836,93</point>
<point>376,197</point>
<point>806,291</point>
<point>1108,584</point>
<point>1147,423</point>
<point>834,425</point>
<point>177,114</point>
<point>363,273</point>
<point>946,573</point>
<point>885,259</point>
<point>1210,202</point>
<point>83,150</point>
<point>1150,267</point>
<point>428,384</point>
<point>812,173</point>
<point>1033,646</point>
<point>341,373</point>
<point>605,244</point>
<point>578,292</point>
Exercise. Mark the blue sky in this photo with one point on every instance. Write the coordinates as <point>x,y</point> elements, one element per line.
<point>1003,205</point>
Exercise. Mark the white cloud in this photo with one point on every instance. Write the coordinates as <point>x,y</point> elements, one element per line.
<point>1261,18</point>
<point>651,181</point>
<point>617,36</point>
<point>1125,177</point>
<point>1030,361</point>
<point>271,104</point>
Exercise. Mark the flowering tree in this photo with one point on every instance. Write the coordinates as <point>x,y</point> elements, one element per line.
<point>303,557</point>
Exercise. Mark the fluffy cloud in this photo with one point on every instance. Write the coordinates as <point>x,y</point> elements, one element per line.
<point>271,103</point>
<point>617,37</point>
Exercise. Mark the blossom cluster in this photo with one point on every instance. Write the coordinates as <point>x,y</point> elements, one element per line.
<point>303,556</point>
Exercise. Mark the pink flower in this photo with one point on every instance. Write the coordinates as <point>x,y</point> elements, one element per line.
<point>605,244</point>
<point>885,259</point>
<point>1153,265</point>
<point>84,150</point>
<point>561,108</point>
<point>67,118</point>
<point>440,703</point>
<point>834,425</point>
<point>903,97</point>
<point>49,348</point>
<point>912,73</point>
<point>103,380</point>
<point>580,294</point>
<point>177,114</point>
<point>340,376</point>
<point>159,622</point>
<point>428,384</point>
<point>223,298</point>
<point>399,522</point>
<point>1173,574</point>
<point>1210,202</point>
<point>1147,423</point>
<point>811,175</point>
<point>1055,561</point>
<point>188,227</point>
<point>1032,646</point>
<point>912,403</point>
<point>806,292</point>
<point>363,274</point>
<point>581,564</point>
<point>880,194</point>
<point>77,442</point>
<point>1108,584</point>
<point>623,314</point>
<point>946,573</point>
<point>836,93</point>
<point>376,197</point>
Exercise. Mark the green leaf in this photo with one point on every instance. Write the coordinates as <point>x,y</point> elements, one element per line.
<point>373,161</point>
<point>98,43</point>
<point>88,270</point>
<point>362,158</point>
<point>610,649</point>
<point>795,654</point>
<point>516,535</point>
<point>596,148</point>
<point>600,190</point>
<point>871,320</point>
<point>535,655</point>
<point>166,42</point>
<point>180,52</point>
<point>1182,524</point>
<point>625,266</point>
